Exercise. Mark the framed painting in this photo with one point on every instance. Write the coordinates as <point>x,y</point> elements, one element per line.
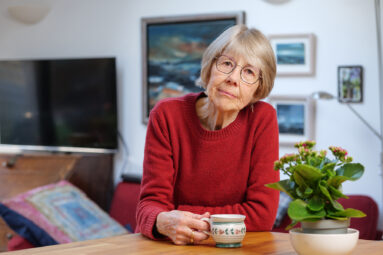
<point>172,49</point>
<point>296,116</point>
<point>350,84</point>
<point>295,54</point>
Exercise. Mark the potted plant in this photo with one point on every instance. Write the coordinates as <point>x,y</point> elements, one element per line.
<point>315,184</point>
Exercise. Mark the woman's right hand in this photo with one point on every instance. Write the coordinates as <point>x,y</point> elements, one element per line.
<point>183,227</point>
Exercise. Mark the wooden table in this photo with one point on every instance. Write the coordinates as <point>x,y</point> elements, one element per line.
<point>254,243</point>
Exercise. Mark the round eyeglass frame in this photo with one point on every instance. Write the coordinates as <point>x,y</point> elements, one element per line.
<point>235,66</point>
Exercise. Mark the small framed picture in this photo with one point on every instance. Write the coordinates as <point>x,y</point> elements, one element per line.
<point>295,54</point>
<point>296,116</point>
<point>172,49</point>
<point>350,84</point>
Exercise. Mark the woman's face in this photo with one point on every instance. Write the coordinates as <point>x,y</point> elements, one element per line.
<point>228,91</point>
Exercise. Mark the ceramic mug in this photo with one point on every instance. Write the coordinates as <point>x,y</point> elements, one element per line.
<point>227,230</point>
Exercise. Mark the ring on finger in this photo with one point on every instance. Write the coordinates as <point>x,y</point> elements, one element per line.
<point>192,237</point>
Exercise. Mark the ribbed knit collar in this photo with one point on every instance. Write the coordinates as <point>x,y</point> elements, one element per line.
<point>195,124</point>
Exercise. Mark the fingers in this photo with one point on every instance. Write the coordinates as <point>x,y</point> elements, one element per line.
<point>195,221</point>
<point>184,236</point>
<point>197,216</point>
<point>199,225</point>
<point>182,227</point>
<point>199,237</point>
<point>191,237</point>
<point>206,215</point>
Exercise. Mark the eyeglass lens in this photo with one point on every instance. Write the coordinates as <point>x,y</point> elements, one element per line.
<point>249,74</point>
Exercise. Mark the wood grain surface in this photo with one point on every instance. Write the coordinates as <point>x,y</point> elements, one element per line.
<point>254,243</point>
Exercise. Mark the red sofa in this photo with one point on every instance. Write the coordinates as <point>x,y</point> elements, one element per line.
<point>125,200</point>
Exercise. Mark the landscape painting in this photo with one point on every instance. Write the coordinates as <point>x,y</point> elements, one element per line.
<point>296,118</point>
<point>173,56</point>
<point>290,53</point>
<point>295,54</point>
<point>291,118</point>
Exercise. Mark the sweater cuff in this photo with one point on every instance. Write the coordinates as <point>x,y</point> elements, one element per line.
<point>150,225</point>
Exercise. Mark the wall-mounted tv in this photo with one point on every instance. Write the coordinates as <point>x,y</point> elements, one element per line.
<point>59,104</point>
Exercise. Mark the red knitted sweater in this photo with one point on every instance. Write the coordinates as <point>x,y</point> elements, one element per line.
<point>189,168</point>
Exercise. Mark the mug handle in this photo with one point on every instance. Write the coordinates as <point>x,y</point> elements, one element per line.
<point>208,221</point>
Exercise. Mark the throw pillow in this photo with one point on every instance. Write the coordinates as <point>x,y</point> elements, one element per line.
<point>57,213</point>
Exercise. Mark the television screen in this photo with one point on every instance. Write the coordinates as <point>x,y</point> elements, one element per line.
<point>60,104</point>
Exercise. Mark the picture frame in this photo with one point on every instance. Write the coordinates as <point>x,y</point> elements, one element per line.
<point>172,49</point>
<point>296,118</point>
<point>350,84</point>
<point>294,54</point>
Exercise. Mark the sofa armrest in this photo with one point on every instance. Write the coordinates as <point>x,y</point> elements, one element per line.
<point>124,203</point>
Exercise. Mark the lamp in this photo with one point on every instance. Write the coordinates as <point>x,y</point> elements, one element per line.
<point>327,96</point>
<point>29,13</point>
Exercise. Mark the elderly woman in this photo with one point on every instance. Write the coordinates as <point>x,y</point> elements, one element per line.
<point>213,152</point>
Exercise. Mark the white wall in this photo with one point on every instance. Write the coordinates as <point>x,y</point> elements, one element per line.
<point>345,32</point>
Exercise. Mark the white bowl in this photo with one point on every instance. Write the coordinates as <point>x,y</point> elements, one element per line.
<point>320,244</point>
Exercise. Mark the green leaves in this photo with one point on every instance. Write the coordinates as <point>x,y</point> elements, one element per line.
<point>285,186</point>
<point>314,161</point>
<point>299,179</point>
<point>315,183</point>
<point>353,171</point>
<point>323,188</point>
<point>348,172</point>
<point>348,213</point>
<point>309,173</point>
<point>316,204</point>
<point>336,193</point>
<point>298,211</point>
<point>328,169</point>
<point>336,205</point>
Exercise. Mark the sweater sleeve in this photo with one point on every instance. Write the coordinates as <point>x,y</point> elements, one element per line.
<point>158,177</point>
<point>261,203</point>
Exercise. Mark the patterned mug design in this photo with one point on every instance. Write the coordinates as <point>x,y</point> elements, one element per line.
<point>228,231</point>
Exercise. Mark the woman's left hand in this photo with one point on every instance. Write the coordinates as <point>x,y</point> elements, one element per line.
<point>183,227</point>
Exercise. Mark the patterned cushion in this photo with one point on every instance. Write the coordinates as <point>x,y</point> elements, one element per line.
<point>60,211</point>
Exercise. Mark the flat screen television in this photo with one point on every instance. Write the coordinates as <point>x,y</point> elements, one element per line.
<point>59,105</point>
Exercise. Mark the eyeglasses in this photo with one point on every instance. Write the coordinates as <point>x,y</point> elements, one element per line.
<point>249,74</point>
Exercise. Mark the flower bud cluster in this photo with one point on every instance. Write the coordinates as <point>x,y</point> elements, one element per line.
<point>286,159</point>
<point>305,152</point>
<point>278,165</point>
<point>289,158</point>
<point>323,153</point>
<point>340,154</point>
<point>306,155</point>
<point>305,144</point>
